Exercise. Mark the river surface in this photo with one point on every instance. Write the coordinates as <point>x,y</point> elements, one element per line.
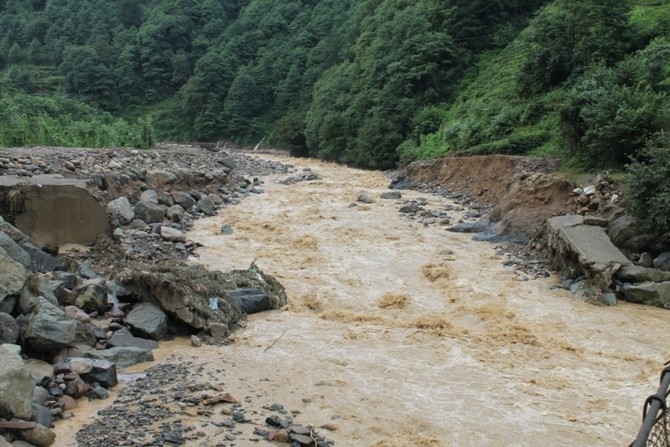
<point>400,334</point>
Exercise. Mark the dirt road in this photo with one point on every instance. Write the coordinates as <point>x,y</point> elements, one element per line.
<point>399,334</point>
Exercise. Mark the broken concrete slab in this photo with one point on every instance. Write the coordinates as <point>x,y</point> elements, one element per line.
<point>580,249</point>
<point>54,210</point>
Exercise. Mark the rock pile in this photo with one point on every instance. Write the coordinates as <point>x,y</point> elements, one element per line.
<point>190,408</point>
<point>82,324</point>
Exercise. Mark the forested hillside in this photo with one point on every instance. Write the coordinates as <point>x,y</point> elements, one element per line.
<point>366,82</point>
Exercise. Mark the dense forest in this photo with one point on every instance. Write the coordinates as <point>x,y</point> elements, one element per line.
<point>371,83</point>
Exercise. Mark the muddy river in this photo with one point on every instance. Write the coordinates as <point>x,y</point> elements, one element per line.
<point>399,334</point>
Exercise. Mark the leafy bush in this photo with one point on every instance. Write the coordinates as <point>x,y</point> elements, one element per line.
<point>649,186</point>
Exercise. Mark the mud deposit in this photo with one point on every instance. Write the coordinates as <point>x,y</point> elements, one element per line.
<point>400,334</point>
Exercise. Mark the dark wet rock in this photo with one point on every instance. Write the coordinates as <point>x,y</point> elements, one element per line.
<point>391,195</point>
<point>16,384</point>
<point>638,274</point>
<point>12,275</point>
<point>68,280</point>
<point>250,300</point>
<point>662,262</point>
<point>410,208</point>
<point>479,226</point>
<point>9,329</point>
<point>148,321</point>
<point>207,206</point>
<point>49,329</point>
<point>123,356</point>
<point>91,296</point>
<point>646,260</point>
<point>120,211</point>
<point>124,338</point>
<point>103,372</point>
<point>98,392</point>
<point>149,212</point>
<point>14,250</point>
<point>364,198</point>
<point>41,261</point>
<point>175,213</point>
<point>650,293</point>
<point>227,229</point>
<point>183,199</point>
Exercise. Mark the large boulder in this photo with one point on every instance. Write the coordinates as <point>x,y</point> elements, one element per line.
<point>662,262</point>
<point>183,199</point>
<point>636,273</point>
<point>250,300</point>
<point>14,250</point>
<point>207,206</point>
<point>123,356</point>
<point>650,293</point>
<point>120,211</point>
<point>149,212</point>
<point>16,384</point>
<point>9,329</point>
<point>123,338</point>
<point>148,320</point>
<point>103,372</point>
<point>49,328</point>
<point>12,275</point>
<point>91,296</point>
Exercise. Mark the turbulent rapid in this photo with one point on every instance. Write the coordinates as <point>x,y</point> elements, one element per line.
<point>398,333</point>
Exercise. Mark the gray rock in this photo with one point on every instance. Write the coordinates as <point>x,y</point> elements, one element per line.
<point>226,229</point>
<point>41,415</point>
<point>6,443</point>
<point>662,262</point>
<point>162,178</point>
<point>16,385</point>
<point>120,211</point>
<point>69,280</point>
<point>185,200</point>
<point>216,199</point>
<point>41,261</point>
<point>123,357</point>
<point>172,234</point>
<point>206,205</point>
<point>40,436</point>
<point>149,196</point>
<point>40,395</point>
<point>650,293</point>
<point>97,392</point>
<point>391,195</point>
<point>149,212</point>
<point>175,213</point>
<point>471,227</point>
<point>39,369</point>
<point>364,198</point>
<point>148,320</point>
<point>638,274</point>
<point>14,250</point>
<point>49,329</point>
<point>91,296</point>
<point>103,372</point>
<point>123,338</point>
<point>646,260</point>
<point>85,270</point>
<point>250,300</point>
<point>9,329</point>
<point>12,275</point>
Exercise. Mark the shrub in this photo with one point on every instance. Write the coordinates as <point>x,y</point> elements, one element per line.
<point>648,191</point>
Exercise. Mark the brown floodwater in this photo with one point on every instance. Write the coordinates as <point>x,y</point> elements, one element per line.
<point>399,334</point>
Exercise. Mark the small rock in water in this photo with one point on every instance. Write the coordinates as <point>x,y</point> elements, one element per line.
<point>196,341</point>
<point>226,229</point>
